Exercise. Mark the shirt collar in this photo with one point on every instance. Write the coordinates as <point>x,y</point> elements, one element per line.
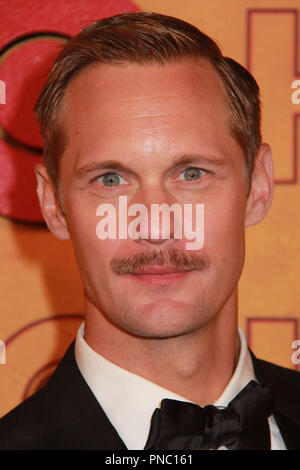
<point>128,398</point>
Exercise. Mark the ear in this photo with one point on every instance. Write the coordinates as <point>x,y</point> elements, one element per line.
<point>261,193</point>
<point>50,207</point>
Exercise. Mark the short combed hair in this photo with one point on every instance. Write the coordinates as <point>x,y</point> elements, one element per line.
<point>148,38</point>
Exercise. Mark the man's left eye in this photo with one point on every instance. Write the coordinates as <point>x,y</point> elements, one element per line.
<point>111,179</point>
<point>191,174</point>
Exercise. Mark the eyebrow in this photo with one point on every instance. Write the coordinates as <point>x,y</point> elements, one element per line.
<point>92,167</point>
<point>177,162</point>
<point>187,159</point>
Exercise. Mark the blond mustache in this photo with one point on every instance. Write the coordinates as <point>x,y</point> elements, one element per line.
<point>184,261</point>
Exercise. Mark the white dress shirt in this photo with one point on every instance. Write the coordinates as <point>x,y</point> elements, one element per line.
<point>130,400</point>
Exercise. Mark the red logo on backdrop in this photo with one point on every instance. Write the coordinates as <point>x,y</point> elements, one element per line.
<point>31,34</point>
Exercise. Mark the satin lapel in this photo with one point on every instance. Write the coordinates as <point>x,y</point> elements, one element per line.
<point>286,386</point>
<point>70,416</point>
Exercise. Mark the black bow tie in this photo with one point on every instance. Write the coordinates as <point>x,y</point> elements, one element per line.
<point>242,425</point>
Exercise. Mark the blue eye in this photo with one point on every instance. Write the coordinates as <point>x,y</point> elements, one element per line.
<point>111,179</point>
<point>191,174</point>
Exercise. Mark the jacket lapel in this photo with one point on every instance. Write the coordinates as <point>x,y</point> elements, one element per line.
<point>286,386</point>
<point>69,415</point>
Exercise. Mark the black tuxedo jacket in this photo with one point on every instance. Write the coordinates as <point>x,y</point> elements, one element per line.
<point>65,415</point>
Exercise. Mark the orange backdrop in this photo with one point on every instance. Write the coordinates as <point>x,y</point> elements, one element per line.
<point>41,297</point>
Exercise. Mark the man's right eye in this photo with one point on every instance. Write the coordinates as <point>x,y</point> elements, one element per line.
<point>111,179</point>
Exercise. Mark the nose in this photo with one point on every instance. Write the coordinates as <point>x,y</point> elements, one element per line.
<point>159,216</point>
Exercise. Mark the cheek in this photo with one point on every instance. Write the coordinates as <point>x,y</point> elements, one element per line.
<point>224,229</point>
<point>93,254</point>
<point>82,222</point>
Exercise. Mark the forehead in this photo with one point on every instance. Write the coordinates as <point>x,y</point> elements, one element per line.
<point>104,85</point>
<point>106,106</point>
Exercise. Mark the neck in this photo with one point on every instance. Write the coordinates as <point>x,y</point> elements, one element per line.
<point>197,365</point>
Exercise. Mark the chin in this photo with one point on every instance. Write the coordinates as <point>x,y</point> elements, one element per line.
<point>164,321</point>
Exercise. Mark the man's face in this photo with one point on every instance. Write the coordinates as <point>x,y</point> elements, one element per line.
<point>149,128</point>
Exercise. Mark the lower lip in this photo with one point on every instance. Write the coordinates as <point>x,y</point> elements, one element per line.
<point>160,278</point>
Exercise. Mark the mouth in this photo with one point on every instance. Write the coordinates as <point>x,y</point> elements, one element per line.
<point>159,274</point>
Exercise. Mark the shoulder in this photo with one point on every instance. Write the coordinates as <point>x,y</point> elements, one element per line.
<point>285,384</point>
<point>273,372</point>
<point>63,415</point>
<point>19,427</point>
<point>24,426</point>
